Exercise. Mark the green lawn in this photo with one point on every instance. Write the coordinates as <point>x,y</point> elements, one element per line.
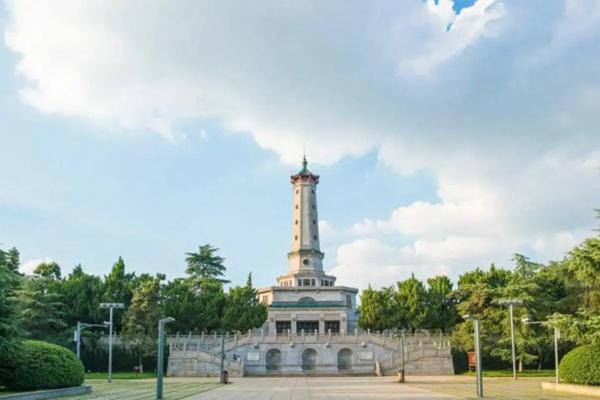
<point>508,373</point>
<point>128,389</point>
<point>120,375</point>
<point>463,387</point>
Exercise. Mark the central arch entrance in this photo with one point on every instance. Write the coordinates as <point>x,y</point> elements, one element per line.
<point>273,360</point>
<point>309,359</point>
<point>344,360</point>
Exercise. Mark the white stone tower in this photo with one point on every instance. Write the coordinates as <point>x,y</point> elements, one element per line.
<point>305,254</point>
<point>305,260</point>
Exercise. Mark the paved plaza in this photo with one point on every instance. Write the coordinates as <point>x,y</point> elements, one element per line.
<point>324,388</point>
<point>334,388</point>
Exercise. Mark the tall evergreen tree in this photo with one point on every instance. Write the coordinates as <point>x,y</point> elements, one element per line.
<point>41,312</point>
<point>242,308</point>
<point>206,264</point>
<point>410,304</point>
<point>141,319</point>
<point>441,305</point>
<point>10,332</point>
<point>375,309</point>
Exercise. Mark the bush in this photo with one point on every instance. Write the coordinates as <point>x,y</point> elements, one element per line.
<point>40,365</point>
<point>581,365</point>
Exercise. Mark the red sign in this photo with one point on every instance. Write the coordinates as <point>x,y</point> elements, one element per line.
<point>472,359</point>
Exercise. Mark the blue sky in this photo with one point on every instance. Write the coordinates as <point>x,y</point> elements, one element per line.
<point>438,150</point>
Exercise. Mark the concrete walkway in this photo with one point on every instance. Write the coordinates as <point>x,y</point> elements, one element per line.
<point>325,388</point>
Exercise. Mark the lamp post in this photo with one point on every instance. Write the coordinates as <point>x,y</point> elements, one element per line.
<point>161,356</point>
<point>110,306</point>
<point>479,380</point>
<point>222,378</point>
<point>402,369</point>
<point>511,303</point>
<point>556,337</point>
<point>81,326</point>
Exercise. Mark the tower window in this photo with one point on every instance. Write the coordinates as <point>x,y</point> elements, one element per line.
<point>296,222</point>
<point>312,191</point>
<point>297,191</point>
<point>305,261</point>
<point>315,237</point>
<point>296,206</point>
<point>296,237</point>
<point>313,206</point>
<point>314,222</point>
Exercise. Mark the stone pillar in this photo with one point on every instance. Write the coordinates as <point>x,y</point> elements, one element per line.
<point>321,323</point>
<point>272,326</point>
<point>293,324</point>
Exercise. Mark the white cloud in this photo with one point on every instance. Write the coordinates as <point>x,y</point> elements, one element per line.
<point>448,34</point>
<point>326,231</point>
<point>501,109</point>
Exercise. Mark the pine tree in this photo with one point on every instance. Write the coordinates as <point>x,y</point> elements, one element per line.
<point>41,311</point>
<point>205,264</point>
<point>10,332</point>
<point>141,319</point>
<point>242,308</point>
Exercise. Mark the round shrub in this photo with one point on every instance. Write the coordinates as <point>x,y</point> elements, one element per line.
<point>581,365</point>
<point>41,365</point>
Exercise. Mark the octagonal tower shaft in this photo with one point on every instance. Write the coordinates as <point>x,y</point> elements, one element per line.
<point>305,255</point>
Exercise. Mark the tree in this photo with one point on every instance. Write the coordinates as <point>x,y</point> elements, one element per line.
<point>194,309</point>
<point>81,294</point>
<point>12,260</point>
<point>41,312</point>
<point>205,264</point>
<point>410,304</point>
<point>118,287</point>
<point>375,309</point>
<point>242,308</point>
<point>48,270</point>
<point>10,332</point>
<point>141,319</point>
<point>441,305</point>
<point>584,264</point>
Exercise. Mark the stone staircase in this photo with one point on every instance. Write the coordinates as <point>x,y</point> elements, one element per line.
<point>199,355</point>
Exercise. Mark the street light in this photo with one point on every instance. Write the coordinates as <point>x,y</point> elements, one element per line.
<point>161,344</point>
<point>110,306</point>
<point>511,303</point>
<point>81,326</point>
<point>479,380</point>
<point>556,337</point>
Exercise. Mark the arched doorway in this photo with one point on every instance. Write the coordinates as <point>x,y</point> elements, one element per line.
<point>344,360</point>
<point>273,359</point>
<point>309,359</point>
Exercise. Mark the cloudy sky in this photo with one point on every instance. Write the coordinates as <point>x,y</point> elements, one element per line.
<point>447,135</point>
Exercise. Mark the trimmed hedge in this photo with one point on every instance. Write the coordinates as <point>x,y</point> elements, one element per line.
<point>581,365</point>
<point>41,365</point>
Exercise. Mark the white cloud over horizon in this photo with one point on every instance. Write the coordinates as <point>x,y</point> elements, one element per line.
<point>502,111</point>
